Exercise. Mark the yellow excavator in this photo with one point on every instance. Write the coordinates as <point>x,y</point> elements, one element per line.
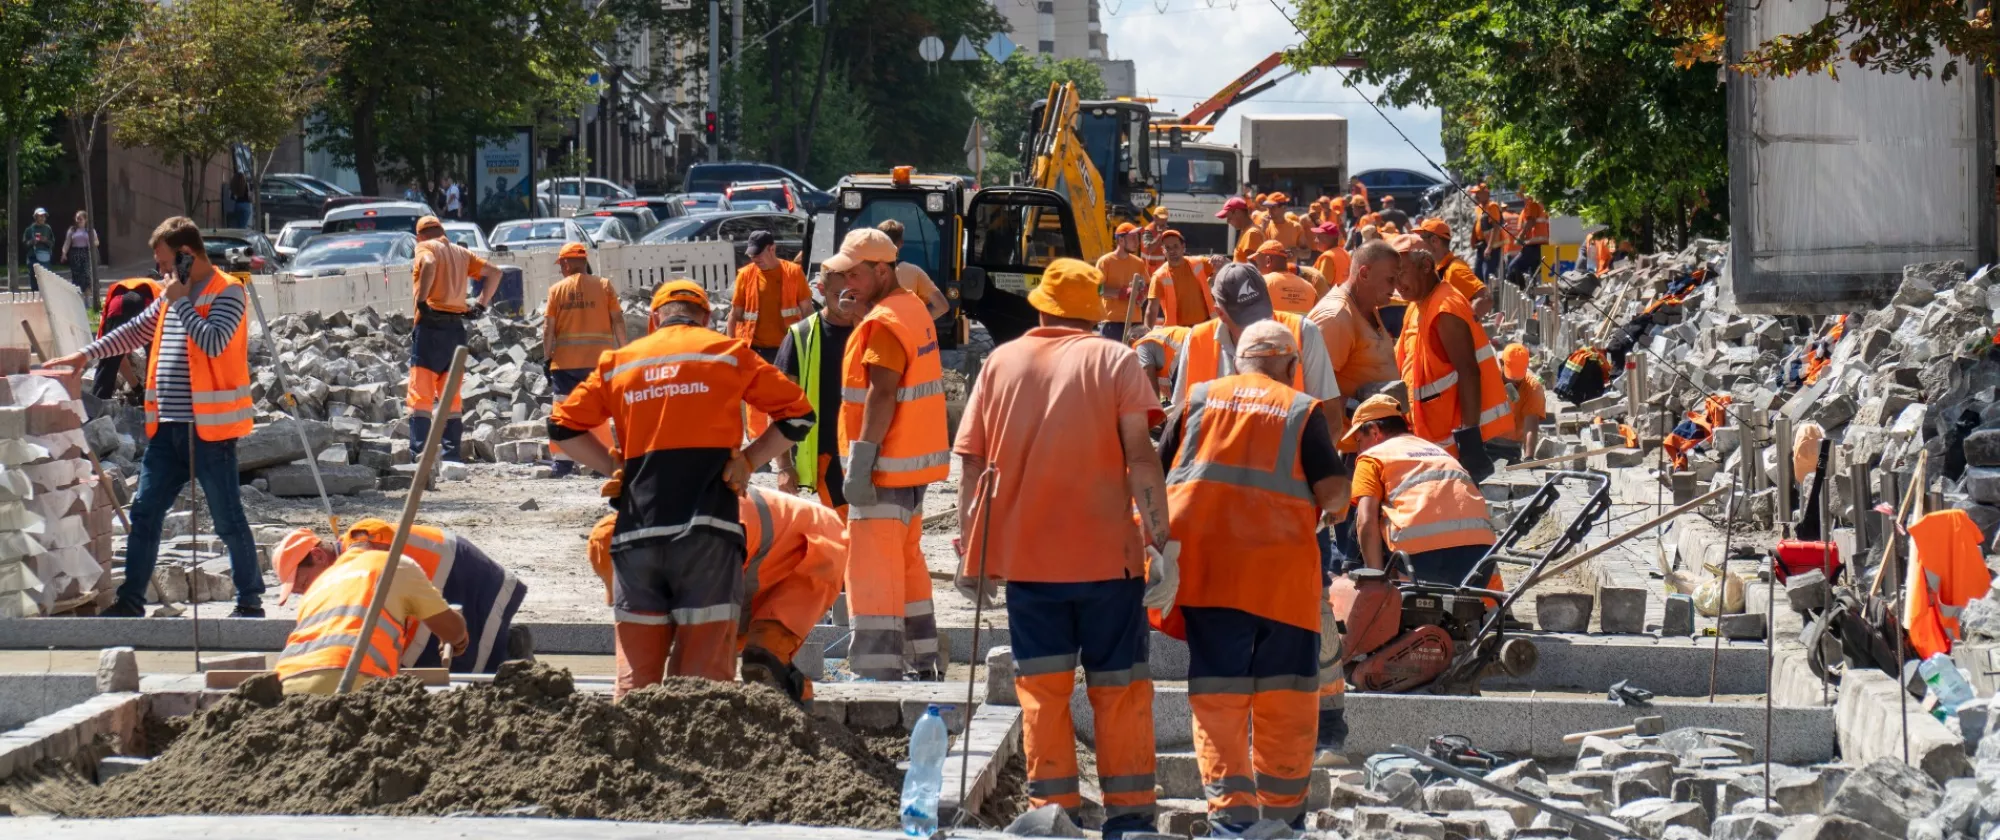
<point>1098,155</point>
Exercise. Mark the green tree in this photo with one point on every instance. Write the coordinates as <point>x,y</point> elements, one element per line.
<point>1582,103</point>
<point>1889,36</point>
<point>416,86</point>
<point>111,81</point>
<point>1004,102</point>
<point>53,45</point>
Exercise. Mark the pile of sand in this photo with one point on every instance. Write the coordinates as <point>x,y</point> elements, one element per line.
<point>684,750</point>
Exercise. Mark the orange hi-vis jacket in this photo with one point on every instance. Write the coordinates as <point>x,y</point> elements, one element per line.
<point>917,450</point>
<point>1172,341</point>
<point>1534,224</point>
<point>584,311</point>
<point>220,385</point>
<point>1204,350</point>
<point>1434,382</point>
<point>1175,279</point>
<point>1153,245</point>
<point>1430,501</point>
<point>794,298</point>
<point>1239,504</point>
<point>330,622</point>
<point>1950,570</point>
<point>797,558</point>
<point>452,267</point>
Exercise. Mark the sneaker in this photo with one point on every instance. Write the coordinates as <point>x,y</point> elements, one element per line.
<point>123,610</point>
<point>243,611</point>
<point>1326,757</point>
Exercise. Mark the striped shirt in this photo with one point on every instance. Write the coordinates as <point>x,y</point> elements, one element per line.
<point>175,393</point>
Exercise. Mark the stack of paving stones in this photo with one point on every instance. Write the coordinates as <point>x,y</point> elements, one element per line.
<point>56,519</point>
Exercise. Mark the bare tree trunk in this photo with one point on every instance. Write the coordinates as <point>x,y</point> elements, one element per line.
<point>364,145</point>
<point>819,93</point>
<point>188,187</point>
<point>84,135</point>
<point>13,210</point>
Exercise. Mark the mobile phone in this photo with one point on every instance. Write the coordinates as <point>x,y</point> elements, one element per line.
<point>183,266</point>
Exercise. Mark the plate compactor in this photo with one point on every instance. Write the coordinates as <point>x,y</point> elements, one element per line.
<point>1403,635</point>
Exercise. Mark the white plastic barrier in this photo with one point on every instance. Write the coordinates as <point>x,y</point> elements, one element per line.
<point>58,315</point>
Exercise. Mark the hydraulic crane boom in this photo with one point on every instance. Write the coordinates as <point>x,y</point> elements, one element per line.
<point>1236,92</point>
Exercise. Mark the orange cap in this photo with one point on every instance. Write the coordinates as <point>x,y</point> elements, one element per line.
<point>1125,228</point>
<point>573,251</point>
<point>862,245</point>
<point>429,222</point>
<point>1436,227</point>
<point>1262,198</point>
<point>1514,362</point>
<point>1278,198</point>
<point>1070,289</point>
<point>681,290</point>
<point>289,553</point>
<point>1389,229</point>
<point>1273,246</point>
<point>1371,409</point>
<point>370,530</point>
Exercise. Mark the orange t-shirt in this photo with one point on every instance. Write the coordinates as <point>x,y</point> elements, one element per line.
<point>1531,401</point>
<point>1248,242</point>
<point>884,351</point>
<point>1460,276</point>
<point>1361,352</point>
<point>1289,292</point>
<point>770,325</point>
<point>1045,414</point>
<point>1118,270</point>
<point>1333,263</point>
<point>451,269</point>
<point>1367,479</point>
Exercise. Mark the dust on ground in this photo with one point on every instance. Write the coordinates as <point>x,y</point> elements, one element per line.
<point>686,749</point>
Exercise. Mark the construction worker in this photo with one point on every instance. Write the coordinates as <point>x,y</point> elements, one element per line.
<point>1049,514</point>
<point>1333,258</point>
<point>893,437</point>
<point>1253,639</point>
<point>487,593</point>
<point>1414,497</point>
<point>198,404</point>
<point>1249,234</point>
<point>1482,230</point>
<point>1437,236</point>
<point>1123,267</point>
<point>440,275</point>
<point>335,605</point>
<point>912,277</point>
<point>1178,294</point>
<point>1283,227</point>
<point>1289,292</point>
<point>1526,268</point>
<point>1158,349</point>
<point>1242,299</point>
<point>1151,236</point>
<point>1362,350</point>
<point>581,321</point>
<point>1392,215</point>
<point>1527,401</point>
<point>811,355</point>
<point>1260,212</point>
<point>125,300</point>
<point>1452,372</point>
<point>676,397</point>
<point>770,296</point>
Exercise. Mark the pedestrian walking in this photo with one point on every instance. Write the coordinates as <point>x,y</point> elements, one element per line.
<point>39,240</point>
<point>454,200</point>
<point>239,192</point>
<point>79,250</point>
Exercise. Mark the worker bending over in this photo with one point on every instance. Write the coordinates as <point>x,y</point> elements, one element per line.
<point>1251,465</point>
<point>1527,401</point>
<point>338,592</point>
<point>1055,453</point>
<point>1414,497</point>
<point>1158,350</point>
<point>1178,293</point>
<point>894,442</point>
<point>677,550</point>
<point>440,275</point>
<point>1457,397</point>
<point>581,321</point>
<point>1437,237</point>
<point>1289,292</point>
<point>1123,267</point>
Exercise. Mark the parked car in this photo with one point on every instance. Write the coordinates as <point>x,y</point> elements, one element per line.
<point>289,196</point>
<point>378,215</point>
<point>468,236</point>
<point>756,204</point>
<point>698,203</point>
<point>239,249</point>
<point>1408,186</point>
<point>607,229</point>
<point>778,193</point>
<point>716,177</point>
<point>329,254</point>
<point>664,207</point>
<point>639,220</point>
<point>536,234</point>
<point>560,194</point>
<point>736,227</point>
<point>293,236</point>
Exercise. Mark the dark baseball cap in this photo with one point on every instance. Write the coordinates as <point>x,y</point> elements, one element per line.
<point>1240,291</point>
<point>759,240</point>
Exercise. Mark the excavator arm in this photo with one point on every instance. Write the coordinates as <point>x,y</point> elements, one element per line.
<point>1245,86</point>
<point>1060,164</point>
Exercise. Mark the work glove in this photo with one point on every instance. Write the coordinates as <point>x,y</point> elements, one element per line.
<point>1163,576</point>
<point>860,484</point>
<point>985,593</point>
<point>1472,454</point>
<point>476,311</point>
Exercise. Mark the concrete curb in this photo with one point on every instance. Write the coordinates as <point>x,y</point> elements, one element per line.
<point>993,737</point>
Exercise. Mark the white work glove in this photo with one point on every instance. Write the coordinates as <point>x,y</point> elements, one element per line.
<point>986,595</point>
<point>860,483</point>
<point>1163,576</point>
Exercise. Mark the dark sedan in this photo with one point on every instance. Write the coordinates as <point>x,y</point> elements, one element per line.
<point>735,227</point>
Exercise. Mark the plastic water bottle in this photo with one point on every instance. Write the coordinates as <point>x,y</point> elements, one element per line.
<point>925,779</point>
<point>1943,679</point>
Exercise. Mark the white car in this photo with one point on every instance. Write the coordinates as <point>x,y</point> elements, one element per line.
<point>538,234</point>
<point>560,194</point>
<point>293,236</point>
<point>468,236</point>
<point>333,254</point>
<point>375,216</point>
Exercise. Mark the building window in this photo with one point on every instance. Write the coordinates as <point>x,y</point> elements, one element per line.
<point>1046,47</point>
<point>1046,7</point>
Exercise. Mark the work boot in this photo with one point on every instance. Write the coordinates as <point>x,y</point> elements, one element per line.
<point>247,611</point>
<point>454,431</point>
<point>562,469</point>
<point>1331,748</point>
<point>123,610</point>
<point>420,431</point>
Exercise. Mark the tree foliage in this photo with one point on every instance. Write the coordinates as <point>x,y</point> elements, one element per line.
<point>1582,103</point>
<point>1005,102</point>
<point>1890,36</point>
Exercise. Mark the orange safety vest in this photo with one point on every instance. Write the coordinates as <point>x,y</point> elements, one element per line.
<point>1172,341</point>
<point>1290,292</point>
<point>330,619</point>
<point>1434,382</point>
<point>1152,245</point>
<point>452,265</point>
<point>1239,504</point>
<point>1170,279</point>
<point>220,386</point>
<point>584,309</point>
<point>684,386</point>
<point>1950,571</point>
<point>916,451</point>
<point>793,296</point>
<point>796,558</point>
<point>1429,500</point>
<point>1204,351</point>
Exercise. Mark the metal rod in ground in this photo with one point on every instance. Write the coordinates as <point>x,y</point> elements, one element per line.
<point>194,531</point>
<point>291,401</point>
<point>1581,824</point>
<point>387,579</point>
<point>988,482</point>
<point>1621,539</point>
<point>1722,590</point>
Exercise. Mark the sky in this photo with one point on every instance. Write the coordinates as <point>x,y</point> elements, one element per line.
<point>1186,53</point>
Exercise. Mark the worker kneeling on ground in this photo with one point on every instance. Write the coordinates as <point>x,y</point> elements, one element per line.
<point>1054,453</point>
<point>1251,463</point>
<point>677,549</point>
<point>337,595</point>
<point>1414,497</point>
<point>486,591</point>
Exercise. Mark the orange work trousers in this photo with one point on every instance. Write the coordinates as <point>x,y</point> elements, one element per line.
<point>675,606</point>
<point>772,635</point>
<point>889,587</point>
<point>1253,684</point>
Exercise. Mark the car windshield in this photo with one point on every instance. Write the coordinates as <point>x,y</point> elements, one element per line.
<point>675,231</point>
<point>755,204</point>
<point>923,243</point>
<point>1198,171</point>
<point>294,236</point>
<point>346,250</point>
<point>593,224</point>
<point>402,224</point>
<point>465,238</point>
<point>702,202</point>
<point>774,194</point>
<point>525,231</point>
<point>323,185</point>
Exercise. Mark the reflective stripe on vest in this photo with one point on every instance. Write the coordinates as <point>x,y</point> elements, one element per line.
<point>330,619</point>
<point>219,388</point>
<point>1429,501</point>
<point>806,336</point>
<point>913,393</point>
<point>916,450</point>
<point>1279,479</point>
<point>1434,381</point>
<point>754,563</point>
<point>1202,352</point>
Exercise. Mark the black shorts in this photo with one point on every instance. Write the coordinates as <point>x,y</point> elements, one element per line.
<point>696,579</point>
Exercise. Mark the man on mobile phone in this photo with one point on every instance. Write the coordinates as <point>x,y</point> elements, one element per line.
<point>197,405</point>
<point>440,278</point>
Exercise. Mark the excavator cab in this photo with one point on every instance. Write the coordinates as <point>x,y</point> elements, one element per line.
<point>1098,155</point>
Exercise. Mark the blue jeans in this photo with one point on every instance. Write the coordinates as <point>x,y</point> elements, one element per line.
<point>1526,269</point>
<point>163,471</point>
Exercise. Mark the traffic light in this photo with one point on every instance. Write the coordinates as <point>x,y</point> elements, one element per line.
<point>710,126</point>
